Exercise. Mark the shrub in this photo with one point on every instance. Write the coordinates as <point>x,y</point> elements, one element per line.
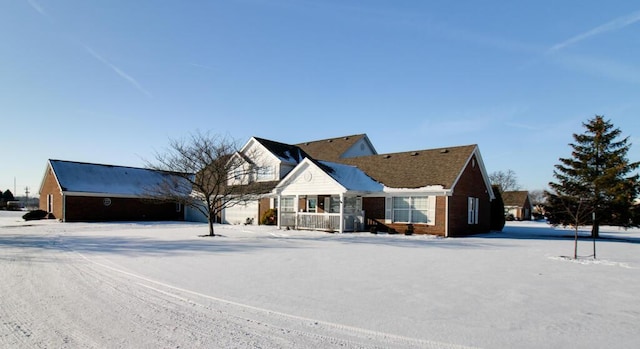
<point>409,230</point>
<point>35,215</point>
<point>270,217</point>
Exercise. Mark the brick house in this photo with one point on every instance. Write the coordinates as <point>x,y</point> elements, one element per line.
<point>518,204</point>
<point>442,191</point>
<point>77,191</point>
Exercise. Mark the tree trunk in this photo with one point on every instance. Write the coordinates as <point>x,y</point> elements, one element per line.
<point>595,230</point>
<point>210,220</point>
<point>575,243</point>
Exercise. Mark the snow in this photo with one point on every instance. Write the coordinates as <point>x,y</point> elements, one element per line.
<point>352,178</point>
<point>149,285</point>
<point>109,179</point>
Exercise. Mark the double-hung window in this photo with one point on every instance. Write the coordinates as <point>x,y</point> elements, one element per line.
<point>265,173</point>
<point>412,209</point>
<point>286,205</point>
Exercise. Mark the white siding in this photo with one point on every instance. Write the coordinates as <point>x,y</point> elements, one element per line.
<point>194,215</point>
<point>238,214</point>
<point>309,180</point>
<point>360,148</point>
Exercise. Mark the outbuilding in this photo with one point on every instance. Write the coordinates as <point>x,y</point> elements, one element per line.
<point>78,191</point>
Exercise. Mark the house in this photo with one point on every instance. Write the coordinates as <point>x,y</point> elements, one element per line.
<point>77,191</point>
<point>443,191</point>
<point>273,160</point>
<point>517,204</point>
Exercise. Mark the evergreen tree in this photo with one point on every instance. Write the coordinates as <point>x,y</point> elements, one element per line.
<point>597,179</point>
<point>497,210</point>
<point>8,196</point>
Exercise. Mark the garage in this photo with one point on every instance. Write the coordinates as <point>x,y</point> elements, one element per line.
<point>241,213</point>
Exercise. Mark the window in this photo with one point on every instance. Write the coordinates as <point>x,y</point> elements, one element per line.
<point>178,207</point>
<point>50,203</point>
<point>286,204</point>
<point>473,205</point>
<point>265,173</point>
<point>334,204</point>
<point>312,204</point>
<point>413,209</point>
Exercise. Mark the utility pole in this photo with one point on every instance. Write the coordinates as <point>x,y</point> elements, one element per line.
<point>26,192</point>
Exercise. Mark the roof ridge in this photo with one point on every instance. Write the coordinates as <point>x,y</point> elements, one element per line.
<point>101,164</point>
<point>332,138</point>
<point>417,151</point>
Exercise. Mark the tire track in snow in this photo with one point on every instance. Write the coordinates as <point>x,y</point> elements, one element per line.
<point>360,333</point>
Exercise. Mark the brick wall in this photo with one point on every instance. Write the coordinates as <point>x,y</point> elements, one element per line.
<point>82,208</point>
<point>50,187</point>
<point>470,184</point>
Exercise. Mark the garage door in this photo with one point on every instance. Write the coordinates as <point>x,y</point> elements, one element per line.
<point>238,214</point>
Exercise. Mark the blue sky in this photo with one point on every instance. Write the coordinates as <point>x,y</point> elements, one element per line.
<point>112,81</point>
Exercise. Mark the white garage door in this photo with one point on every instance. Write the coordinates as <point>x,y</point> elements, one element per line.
<point>238,214</point>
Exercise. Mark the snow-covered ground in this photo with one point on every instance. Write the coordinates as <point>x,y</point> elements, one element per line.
<point>160,285</point>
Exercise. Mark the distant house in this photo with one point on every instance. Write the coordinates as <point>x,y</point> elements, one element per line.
<point>517,204</point>
<point>442,191</point>
<point>77,191</point>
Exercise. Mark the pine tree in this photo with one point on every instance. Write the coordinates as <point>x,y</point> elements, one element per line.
<point>596,185</point>
<point>8,195</point>
<point>497,210</point>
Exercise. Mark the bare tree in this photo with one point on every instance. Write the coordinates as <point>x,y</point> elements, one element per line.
<point>538,201</point>
<point>506,181</point>
<point>576,212</point>
<point>219,176</point>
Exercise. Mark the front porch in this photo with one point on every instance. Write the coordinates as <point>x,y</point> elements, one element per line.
<point>329,222</point>
<point>337,213</point>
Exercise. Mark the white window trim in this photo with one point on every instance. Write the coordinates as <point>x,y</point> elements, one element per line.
<point>473,210</point>
<point>430,211</point>
<point>315,209</point>
<point>50,203</point>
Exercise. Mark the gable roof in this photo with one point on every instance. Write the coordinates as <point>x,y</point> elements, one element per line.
<point>416,169</point>
<point>348,177</point>
<point>81,177</point>
<point>515,198</point>
<point>285,152</point>
<point>331,149</point>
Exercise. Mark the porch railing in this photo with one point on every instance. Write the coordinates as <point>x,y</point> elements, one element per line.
<point>318,221</point>
<point>329,221</point>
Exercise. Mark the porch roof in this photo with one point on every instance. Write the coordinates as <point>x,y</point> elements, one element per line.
<point>351,177</point>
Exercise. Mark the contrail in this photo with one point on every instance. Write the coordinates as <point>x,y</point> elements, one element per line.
<point>118,71</point>
<point>615,24</point>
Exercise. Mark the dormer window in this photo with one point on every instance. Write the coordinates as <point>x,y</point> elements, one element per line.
<point>265,173</point>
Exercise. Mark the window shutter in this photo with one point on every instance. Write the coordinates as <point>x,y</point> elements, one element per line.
<point>431,210</point>
<point>388,210</point>
<point>476,206</point>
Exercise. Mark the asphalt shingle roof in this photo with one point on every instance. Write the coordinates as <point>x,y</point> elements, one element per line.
<point>415,169</point>
<point>330,149</point>
<point>286,152</point>
<point>514,198</point>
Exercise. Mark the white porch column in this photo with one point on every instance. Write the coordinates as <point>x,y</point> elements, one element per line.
<point>341,229</point>
<point>296,208</point>
<point>279,210</point>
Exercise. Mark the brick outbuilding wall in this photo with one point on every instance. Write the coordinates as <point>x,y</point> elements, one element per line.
<point>87,209</point>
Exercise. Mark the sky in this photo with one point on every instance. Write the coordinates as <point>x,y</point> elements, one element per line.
<point>114,81</point>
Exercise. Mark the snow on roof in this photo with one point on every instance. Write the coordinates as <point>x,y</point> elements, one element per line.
<point>108,179</point>
<point>351,177</point>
